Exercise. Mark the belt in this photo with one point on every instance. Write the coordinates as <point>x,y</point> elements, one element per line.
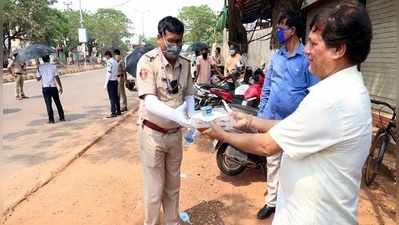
<point>19,73</point>
<point>155,127</point>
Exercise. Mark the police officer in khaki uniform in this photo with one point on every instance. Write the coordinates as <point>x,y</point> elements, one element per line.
<point>122,77</point>
<point>164,86</point>
<point>18,70</point>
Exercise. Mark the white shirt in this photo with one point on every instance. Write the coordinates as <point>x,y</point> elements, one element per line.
<point>325,143</point>
<point>48,72</point>
<point>112,70</point>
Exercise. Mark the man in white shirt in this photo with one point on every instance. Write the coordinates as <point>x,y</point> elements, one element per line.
<point>326,140</point>
<point>111,85</point>
<point>48,75</point>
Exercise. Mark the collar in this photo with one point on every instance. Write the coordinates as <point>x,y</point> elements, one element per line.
<point>337,77</point>
<point>165,63</point>
<point>300,50</point>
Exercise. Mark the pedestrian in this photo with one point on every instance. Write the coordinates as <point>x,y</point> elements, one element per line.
<point>122,77</point>
<point>232,61</point>
<point>18,70</point>
<point>205,64</point>
<point>218,58</point>
<point>286,84</point>
<point>111,85</point>
<point>326,140</point>
<point>166,95</point>
<point>48,75</point>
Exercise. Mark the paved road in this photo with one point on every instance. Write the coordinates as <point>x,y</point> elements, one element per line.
<point>29,141</point>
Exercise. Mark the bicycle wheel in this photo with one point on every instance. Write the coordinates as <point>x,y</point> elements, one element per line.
<point>374,159</point>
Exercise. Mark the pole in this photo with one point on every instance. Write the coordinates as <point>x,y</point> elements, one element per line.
<point>81,26</point>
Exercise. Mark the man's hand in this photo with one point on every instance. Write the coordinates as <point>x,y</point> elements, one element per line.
<point>61,91</point>
<point>241,120</point>
<point>181,115</point>
<point>214,132</point>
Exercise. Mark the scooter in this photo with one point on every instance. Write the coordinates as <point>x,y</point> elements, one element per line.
<point>231,160</point>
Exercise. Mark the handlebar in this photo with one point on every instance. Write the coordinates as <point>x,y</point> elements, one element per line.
<point>384,104</point>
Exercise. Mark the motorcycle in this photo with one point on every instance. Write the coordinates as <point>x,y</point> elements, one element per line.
<point>231,160</point>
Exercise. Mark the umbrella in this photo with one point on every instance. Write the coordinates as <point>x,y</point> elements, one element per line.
<point>33,51</point>
<point>197,46</point>
<point>133,58</point>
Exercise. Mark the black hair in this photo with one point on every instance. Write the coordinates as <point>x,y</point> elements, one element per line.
<point>46,58</point>
<point>204,48</point>
<point>348,23</point>
<point>294,18</point>
<point>171,24</point>
<point>108,53</point>
<point>117,52</point>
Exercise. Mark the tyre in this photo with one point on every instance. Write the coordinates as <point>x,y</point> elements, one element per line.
<point>374,159</point>
<point>226,164</point>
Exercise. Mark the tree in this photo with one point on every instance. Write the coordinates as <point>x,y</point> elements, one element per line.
<point>151,41</point>
<point>109,27</point>
<point>199,23</point>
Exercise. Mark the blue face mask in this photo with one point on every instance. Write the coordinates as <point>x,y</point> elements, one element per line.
<point>280,35</point>
<point>172,50</point>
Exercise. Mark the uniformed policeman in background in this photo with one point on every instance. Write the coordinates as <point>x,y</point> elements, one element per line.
<point>165,90</point>
<point>122,77</point>
<point>18,70</point>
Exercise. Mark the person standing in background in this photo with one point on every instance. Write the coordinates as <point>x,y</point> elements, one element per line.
<point>111,85</point>
<point>18,70</point>
<point>122,77</point>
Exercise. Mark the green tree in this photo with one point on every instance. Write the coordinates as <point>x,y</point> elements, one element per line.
<point>200,22</point>
<point>151,41</point>
<point>109,27</point>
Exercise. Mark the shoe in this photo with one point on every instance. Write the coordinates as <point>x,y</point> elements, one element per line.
<point>51,121</point>
<point>62,119</point>
<point>111,116</point>
<point>118,113</point>
<point>265,212</point>
<point>124,109</point>
<point>19,98</point>
<point>24,96</point>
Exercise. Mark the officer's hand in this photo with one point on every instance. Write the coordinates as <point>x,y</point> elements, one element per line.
<point>61,91</point>
<point>181,116</point>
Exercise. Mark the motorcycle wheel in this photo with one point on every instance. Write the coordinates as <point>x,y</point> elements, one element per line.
<point>227,165</point>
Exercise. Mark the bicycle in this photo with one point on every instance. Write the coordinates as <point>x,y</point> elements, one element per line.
<point>379,144</point>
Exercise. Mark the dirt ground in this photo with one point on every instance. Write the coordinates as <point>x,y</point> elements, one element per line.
<point>104,187</point>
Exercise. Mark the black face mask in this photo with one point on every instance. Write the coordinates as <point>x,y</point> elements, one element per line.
<point>205,55</point>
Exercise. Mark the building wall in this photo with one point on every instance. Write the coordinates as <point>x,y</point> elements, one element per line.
<point>259,51</point>
<point>379,70</point>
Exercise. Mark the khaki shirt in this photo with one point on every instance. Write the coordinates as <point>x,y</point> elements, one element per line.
<point>15,68</point>
<point>152,71</point>
<point>121,68</point>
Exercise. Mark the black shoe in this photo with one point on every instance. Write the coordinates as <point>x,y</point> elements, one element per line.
<point>51,121</point>
<point>62,119</point>
<point>124,109</point>
<point>111,116</point>
<point>265,212</point>
<point>118,113</point>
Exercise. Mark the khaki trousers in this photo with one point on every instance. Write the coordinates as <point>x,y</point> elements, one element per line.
<point>273,167</point>
<point>19,85</point>
<point>122,91</point>
<point>161,156</point>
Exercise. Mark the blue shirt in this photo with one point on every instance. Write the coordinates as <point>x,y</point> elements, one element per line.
<point>286,84</point>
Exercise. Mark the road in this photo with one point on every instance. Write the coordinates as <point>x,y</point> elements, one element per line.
<point>105,187</point>
<point>31,147</point>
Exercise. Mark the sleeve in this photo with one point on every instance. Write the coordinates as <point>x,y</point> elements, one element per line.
<point>56,71</point>
<point>189,88</point>
<point>264,97</point>
<point>312,128</point>
<point>145,78</point>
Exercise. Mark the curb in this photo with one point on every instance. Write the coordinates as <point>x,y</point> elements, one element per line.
<point>30,76</point>
<point>53,174</point>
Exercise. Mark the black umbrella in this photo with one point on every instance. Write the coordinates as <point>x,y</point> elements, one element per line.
<point>197,46</point>
<point>33,52</point>
<point>133,58</point>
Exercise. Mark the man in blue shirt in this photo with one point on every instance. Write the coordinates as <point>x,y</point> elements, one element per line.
<point>286,84</point>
